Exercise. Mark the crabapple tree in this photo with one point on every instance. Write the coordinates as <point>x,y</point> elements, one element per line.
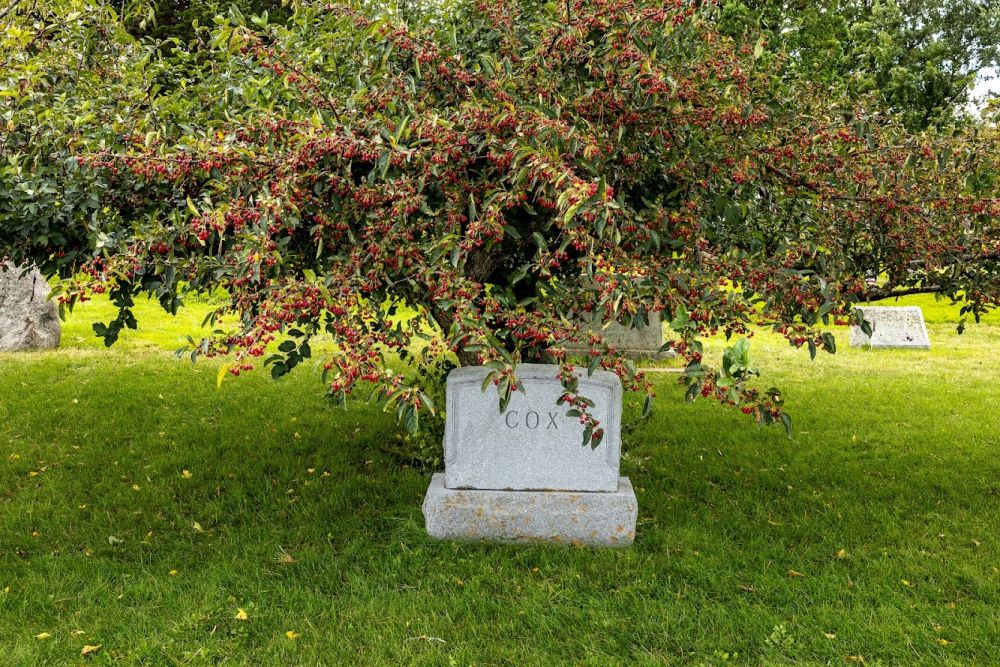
<point>467,183</point>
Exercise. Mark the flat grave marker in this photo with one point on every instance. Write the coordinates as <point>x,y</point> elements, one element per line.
<point>892,327</point>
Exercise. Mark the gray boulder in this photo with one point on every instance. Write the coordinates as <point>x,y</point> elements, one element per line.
<point>28,319</point>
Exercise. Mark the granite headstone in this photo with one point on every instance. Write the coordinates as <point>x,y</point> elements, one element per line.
<point>29,320</point>
<point>532,445</point>
<point>524,474</point>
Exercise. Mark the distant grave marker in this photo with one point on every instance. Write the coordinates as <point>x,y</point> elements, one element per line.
<point>644,343</point>
<point>892,327</point>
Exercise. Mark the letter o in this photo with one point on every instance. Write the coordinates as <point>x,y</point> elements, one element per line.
<point>527,420</point>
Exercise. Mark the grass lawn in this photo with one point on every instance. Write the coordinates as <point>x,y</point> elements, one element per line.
<point>873,535</point>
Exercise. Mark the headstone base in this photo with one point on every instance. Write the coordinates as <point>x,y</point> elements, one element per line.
<point>566,517</point>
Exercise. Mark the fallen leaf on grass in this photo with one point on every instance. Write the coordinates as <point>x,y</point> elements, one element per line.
<point>79,632</point>
<point>186,474</point>
<point>830,635</point>
<point>906,583</point>
<point>197,527</point>
<point>795,573</point>
<point>241,615</point>
<point>856,658</point>
<point>942,641</point>
<point>90,648</point>
<point>291,634</point>
<point>842,554</point>
<point>172,573</point>
<point>42,636</point>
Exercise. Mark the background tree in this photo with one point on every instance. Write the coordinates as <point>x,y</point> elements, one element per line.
<point>474,179</point>
<point>921,56</point>
<point>180,19</point>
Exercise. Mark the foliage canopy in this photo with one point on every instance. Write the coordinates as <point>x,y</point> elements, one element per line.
<point>498,169</point>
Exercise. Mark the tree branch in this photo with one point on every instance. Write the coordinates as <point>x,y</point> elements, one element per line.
<point>878,295</point>
<point>11,7</point>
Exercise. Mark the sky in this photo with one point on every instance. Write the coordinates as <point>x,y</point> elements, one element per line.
<point>989,82</point>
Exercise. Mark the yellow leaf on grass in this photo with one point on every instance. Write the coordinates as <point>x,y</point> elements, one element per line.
<point>943,642</point>
<point>842,554</point>
<point>795,573</point>
<point>830,635</point>
<point>90,648</point>
<point>41,636</point>
<point>855,658</point>
<point>242,615</point>
<point>186,474</point>
<point>906,582</point>
<point>172,573</point>
<point>221,376</point>
<point>291,634</point>
<point>197,527</point>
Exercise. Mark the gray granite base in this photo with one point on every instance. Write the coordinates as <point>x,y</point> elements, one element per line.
<point>568,517</point>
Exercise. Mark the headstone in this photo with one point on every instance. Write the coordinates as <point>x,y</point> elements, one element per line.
<point>524,475</point>
<point>28,319</point>
<point>892,327</point>
<point>635,343</point>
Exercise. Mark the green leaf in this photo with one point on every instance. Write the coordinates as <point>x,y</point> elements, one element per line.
<point>647,407</point>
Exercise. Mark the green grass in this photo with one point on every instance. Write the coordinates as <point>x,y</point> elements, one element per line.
<point>893,465</point>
